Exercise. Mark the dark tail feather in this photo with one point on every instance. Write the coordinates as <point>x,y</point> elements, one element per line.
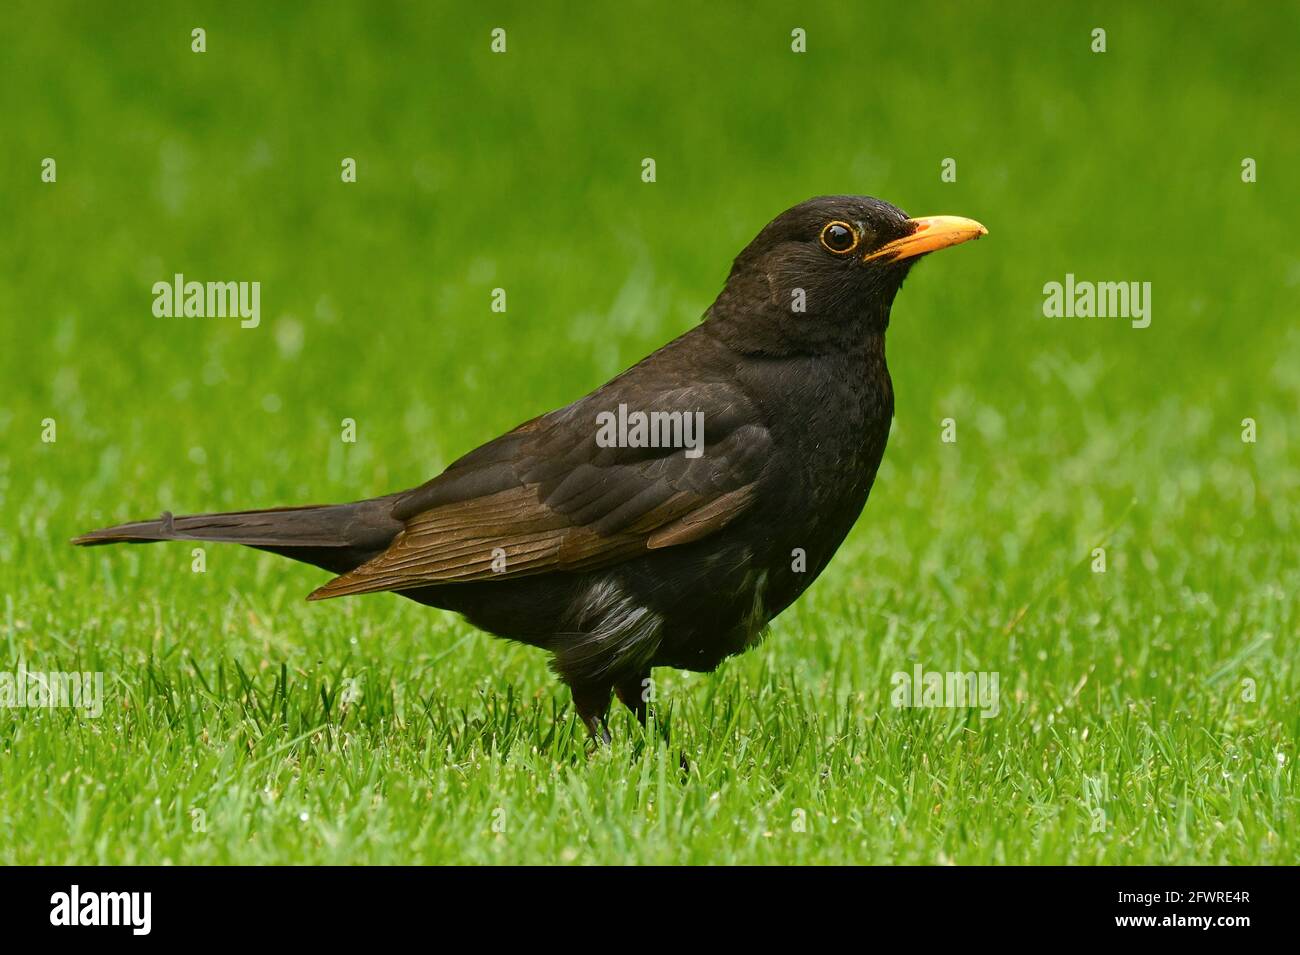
<point>336,537</point>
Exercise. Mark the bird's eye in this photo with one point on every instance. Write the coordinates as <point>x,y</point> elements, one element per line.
<point>839,237</point>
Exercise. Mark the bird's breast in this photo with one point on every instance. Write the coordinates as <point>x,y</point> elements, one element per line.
<point>828,459</point>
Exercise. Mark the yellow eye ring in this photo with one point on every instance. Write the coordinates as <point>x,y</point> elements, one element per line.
<point>833,237</point>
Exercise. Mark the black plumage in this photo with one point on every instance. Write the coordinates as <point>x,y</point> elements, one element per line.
<point>620,559</point>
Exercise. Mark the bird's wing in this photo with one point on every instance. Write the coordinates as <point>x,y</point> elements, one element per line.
<point>548,497</point>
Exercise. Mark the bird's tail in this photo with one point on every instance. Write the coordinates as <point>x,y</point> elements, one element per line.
<point>332,536</point>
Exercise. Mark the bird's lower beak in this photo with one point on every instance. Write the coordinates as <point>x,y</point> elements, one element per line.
<point>930,234</point>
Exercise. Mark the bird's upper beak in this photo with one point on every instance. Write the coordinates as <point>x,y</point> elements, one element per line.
<point>930,233</point>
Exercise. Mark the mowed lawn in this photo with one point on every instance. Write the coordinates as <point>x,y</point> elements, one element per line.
<point>1147,713</point>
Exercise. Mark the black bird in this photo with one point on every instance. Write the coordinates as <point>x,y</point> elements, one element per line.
<point>612,533</point>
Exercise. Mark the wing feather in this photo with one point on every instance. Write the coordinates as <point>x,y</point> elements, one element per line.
<point>545,498</point>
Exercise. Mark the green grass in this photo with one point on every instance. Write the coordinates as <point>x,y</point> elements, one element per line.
<point>243,725</point>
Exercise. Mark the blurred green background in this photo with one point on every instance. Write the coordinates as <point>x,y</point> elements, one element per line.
<point>523,171</point>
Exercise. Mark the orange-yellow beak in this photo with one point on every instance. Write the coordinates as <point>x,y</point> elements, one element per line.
<point>931,234</point>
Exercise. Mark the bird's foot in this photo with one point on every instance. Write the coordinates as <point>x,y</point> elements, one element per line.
<point>592,704</point>
<point>598,730</point>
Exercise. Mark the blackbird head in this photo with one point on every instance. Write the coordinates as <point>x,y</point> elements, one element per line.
<point>825,272</point>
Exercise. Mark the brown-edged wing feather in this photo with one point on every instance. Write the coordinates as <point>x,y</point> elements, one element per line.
<point>546,498</point>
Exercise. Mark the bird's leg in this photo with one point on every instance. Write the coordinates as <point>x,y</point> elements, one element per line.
<point>592,703</point>
<point>635,693</point>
